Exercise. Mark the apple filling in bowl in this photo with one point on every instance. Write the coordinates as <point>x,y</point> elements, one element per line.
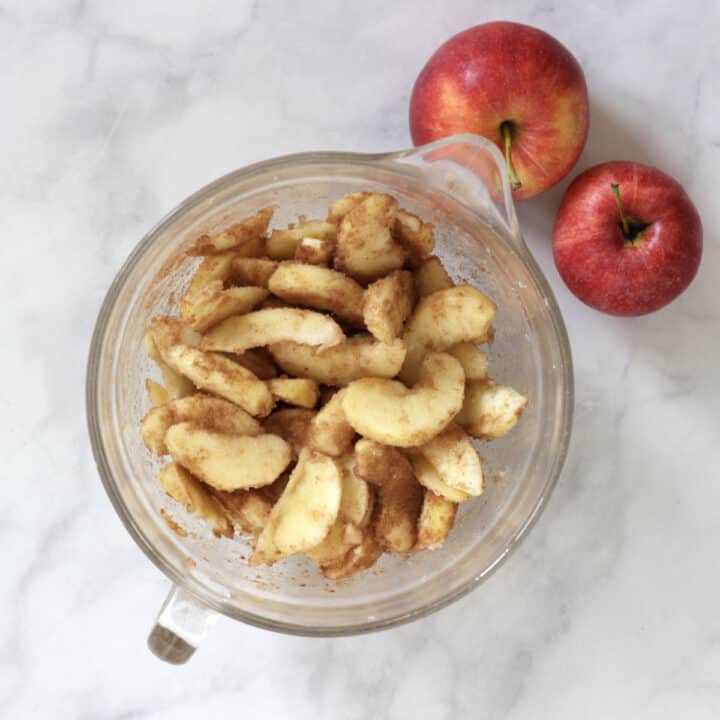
<point>322,385</point>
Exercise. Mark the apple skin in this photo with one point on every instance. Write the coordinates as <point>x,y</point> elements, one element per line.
<point>506,72</point>
<point>591,252</point>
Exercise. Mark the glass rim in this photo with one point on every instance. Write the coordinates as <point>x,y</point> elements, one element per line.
<point>197,198</point>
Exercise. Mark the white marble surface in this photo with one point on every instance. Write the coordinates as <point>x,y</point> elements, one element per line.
<point>112,113</point>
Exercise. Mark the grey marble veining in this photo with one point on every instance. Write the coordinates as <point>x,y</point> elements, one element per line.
<point>112,113</point>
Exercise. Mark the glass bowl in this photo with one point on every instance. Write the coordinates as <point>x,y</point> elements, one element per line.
<point>460,184</point>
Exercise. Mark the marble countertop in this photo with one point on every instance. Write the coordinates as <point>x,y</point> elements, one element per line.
<point>115,111</point>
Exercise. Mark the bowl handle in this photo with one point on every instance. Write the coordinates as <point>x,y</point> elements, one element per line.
<point>181,626</point>
<point>472,170</point>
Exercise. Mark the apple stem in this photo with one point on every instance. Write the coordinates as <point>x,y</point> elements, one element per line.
<point>618,201</point>
<point>506,129</point>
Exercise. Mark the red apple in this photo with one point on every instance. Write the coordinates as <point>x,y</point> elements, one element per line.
<point>517,86</point>
<point>627,238</point>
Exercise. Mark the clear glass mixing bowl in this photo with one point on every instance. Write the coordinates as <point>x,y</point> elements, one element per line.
<point>460,184</point>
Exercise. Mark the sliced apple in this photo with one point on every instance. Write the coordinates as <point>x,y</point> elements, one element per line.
<point>211,304</point>
<point>291,424</point>
<point>473,360</point>
<point>335,545</point>
<point>366,249</point>
<point>379,464</point>
<point>399,496</point>
<point>251,271</point>
<point>431,276</point>
<point>157,394</point>
<point>265,552</point>
<point>329,431</point>
<point>436,520</point>
<point>416,236</point>
<point>358,497</point>
<point>177,385</point>
<point>282,244</point>
<point>274,325</point>
<point>429,478</point>
<point>212,268</point>
<point>221,376</point>
<point>305,512</point>
<point>359,558</point>
<point>455,459</point>
<point>315,251</point>
<point>361,356</point>
<point>319,288</point>
<point>167,331</point>
<point>352,534</point>
<point>248,510</point>
<point>295,391</point>
<point>354,514</point>
<point>245,237</point>
<point>225,461</point>
<point>443,319</point>
<point>490,411</point>
<point>387,303</point>
<point>388,412</point>
<point>209,412</point>
<point>197,499</point>
<point>342,206</point>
